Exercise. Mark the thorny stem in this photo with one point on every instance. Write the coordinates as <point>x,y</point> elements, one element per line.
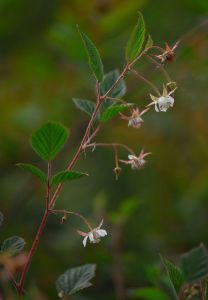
<point>111,145</point>
<point>147,81</point>
<point>59,187</point>
<point>66,212</point>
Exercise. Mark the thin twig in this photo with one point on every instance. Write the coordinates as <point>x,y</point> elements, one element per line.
<point>66,212</point>
<point>111,145</point>
<point>146,80</point>
<point>160,66</point>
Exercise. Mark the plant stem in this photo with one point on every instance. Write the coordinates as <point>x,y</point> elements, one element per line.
<point>52,201</point>
<point>147,81</point>
<point>32,251</point>
<point>161,67</point>
<point>48,192</point>
<point>111,145</point>
<point>66,212</point>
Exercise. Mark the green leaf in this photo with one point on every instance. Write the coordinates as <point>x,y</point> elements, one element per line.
<point>194,264</point>
<point>95,62</point>
<point>34,170</point>
<point>136,40</point>
<point>1,218</point>
<point>66,176</point>
<point>112,111</point>
<point>75,279</point>
<point>85,105</point>
<point>49,139</point>
<point>149,293</point>
<point>108,81</point>
<point>149,42</point>
<point>12,245</point>
<point>174,273</point>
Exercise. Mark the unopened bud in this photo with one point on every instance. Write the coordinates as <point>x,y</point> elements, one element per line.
<point>117,171</point>
<point>64,218</point>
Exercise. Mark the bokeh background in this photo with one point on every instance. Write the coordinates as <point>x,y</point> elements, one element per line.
<point>161,209</point>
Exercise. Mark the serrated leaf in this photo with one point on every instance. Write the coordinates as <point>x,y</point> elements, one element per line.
<point>1,218</point>
<point>95,62</point>
<point>66,176</point>
<point>13,245</point>
<point>33,170</point>
<point>136,40</point>
<point>175,275</point>
<point>112,111</point>
<point>149,293</point>
<point>85,105</point>
<point>75,279</point>
<point>49,139</point>
<point>149,42</point>
<point>108,81</point>
<point>194,264</point>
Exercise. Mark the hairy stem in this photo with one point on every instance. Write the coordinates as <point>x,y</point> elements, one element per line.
<point>52,201</point>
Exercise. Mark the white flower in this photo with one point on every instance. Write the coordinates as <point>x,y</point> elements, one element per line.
<point>163,102</point>
<point>94,235</point>
<point>136,162</point>
<point>135,119</point>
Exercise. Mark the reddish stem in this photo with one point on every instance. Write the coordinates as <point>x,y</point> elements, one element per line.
<point>52,201</point>
<point>32,251</point>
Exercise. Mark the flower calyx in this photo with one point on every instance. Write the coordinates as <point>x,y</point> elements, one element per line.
<point>168,55</point>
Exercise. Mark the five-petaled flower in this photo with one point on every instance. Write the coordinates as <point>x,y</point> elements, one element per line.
<point>168,54</point>
<point>163,102</point>
<point>135,119</point>
<point>94,235</point>
<point>136,162</point>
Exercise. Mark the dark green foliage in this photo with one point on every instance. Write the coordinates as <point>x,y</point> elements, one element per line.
<point>85,105</point>
<point>95,62</point>
<point>66,176</point>
<point>108,81</point>
<point>112,111</point>
<point>13,245</point>
<point>33,170</point>
<point>136,40</point>
<point>194,264</point>
<point>75,279</point>
<point>175,275</point>
<point>49,139</point>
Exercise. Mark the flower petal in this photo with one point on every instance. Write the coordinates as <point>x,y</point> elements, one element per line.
<point>91,237</point>
<point>131,157</point>
<point>156,108</point>
<point>85,240</point>
<point>101,232</point>
<point>101,223</point>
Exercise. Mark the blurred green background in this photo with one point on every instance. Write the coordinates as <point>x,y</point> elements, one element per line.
<point>161,209</point>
